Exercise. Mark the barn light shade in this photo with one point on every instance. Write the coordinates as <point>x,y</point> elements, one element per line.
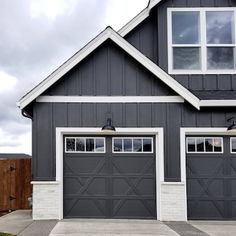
<point>108,126</point>
<point>232,127</point>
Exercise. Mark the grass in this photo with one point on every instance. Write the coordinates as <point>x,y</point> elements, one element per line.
<point>5,234</point>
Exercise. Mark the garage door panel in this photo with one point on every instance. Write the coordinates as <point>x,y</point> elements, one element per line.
<point>133,165</point>
<point>136,208</point>
<point>204,165</point>
<point>85,165</point>
<point>204,209</point>
<point>205,187</point>
<point>85,208</point>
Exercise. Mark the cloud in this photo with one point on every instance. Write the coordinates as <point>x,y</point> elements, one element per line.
<point>37,36</point>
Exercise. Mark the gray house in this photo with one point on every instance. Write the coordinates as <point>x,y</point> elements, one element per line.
<point>140,123</point>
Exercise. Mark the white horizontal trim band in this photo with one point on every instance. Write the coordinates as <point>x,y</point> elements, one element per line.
<point>45,182</point>
<point>217,103</point>
<point>110,99</point>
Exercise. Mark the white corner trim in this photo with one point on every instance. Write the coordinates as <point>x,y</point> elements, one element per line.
<point>126,46</point>
<point>217,103</point>
<point>110,99</point>
<point>158,132</point>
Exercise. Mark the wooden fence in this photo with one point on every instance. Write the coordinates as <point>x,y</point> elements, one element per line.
<point>15,187</point>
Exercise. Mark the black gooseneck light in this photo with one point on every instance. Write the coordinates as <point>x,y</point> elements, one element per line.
<point>108,126</point>
<point>232,127</point>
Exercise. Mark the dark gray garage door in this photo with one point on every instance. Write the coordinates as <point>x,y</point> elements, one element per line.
<point>106,177</point>
<point>211,177</point>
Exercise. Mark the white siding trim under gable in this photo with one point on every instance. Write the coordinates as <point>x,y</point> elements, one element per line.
<point>109,33</point>
<point>110,99</point>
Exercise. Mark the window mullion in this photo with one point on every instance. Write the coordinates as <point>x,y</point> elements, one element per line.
<point>203,40</point>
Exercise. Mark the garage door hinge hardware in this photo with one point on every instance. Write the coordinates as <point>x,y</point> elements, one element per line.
<point>12,198</point>
<point>12,168</point>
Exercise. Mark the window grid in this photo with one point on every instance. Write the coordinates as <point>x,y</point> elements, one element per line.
<point>203,46</point>
<point>204,141</point>
<point>131,138</point>
<point>85,145</point>
<point>231,145</point>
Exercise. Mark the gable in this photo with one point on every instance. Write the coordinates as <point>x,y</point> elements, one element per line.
<point>109,71</point>
<point>109,33</point>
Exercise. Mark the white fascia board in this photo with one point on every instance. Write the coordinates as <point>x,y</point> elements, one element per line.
<point>157,71</point>
<point>126,46</point>
<point>153,3</point>
<point>110,99</point>
<point>217,103</point>
<point>62,70</point>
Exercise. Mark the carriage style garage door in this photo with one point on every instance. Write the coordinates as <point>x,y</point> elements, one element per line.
<point>109,177</point>
<point>211,177</point>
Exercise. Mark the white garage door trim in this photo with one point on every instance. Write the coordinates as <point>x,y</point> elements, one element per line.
<point>194,131</point>
<point>159,135</point>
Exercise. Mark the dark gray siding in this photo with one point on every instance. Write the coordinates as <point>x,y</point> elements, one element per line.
<point>150,37</point>
<point>170,116</point>
<point>109,71</point>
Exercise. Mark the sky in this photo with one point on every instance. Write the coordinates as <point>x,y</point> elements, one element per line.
<point>37,36</point>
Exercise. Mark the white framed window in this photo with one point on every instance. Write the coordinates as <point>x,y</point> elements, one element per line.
<point>201,40</point>
<point>233,145</point>
<point>132,145</point>
<point>85,145</point>
<point>204,145</point>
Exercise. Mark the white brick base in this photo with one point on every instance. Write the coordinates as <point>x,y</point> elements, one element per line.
<point>173,202</point>
<point>45,200</point>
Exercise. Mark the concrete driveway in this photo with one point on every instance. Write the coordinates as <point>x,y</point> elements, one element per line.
<point>20,223</point>
<point>111,227</point>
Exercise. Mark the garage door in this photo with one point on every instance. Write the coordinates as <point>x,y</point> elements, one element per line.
<point>109,177</point>
<point>211,177</point>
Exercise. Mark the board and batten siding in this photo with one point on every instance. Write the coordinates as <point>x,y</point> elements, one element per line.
<point>48,116</point>
<point>150,37</point>
<point>109,71</point>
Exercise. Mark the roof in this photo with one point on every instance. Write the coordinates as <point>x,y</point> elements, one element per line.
<point>109,33</point>
<point>215,95</point>
<point>14,156</point>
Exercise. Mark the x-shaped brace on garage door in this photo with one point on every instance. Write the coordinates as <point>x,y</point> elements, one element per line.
<point>205,186</point>
<point>133,186</point>
<point>86,185</point>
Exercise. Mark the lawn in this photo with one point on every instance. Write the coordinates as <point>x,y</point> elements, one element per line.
<point>5,234</point>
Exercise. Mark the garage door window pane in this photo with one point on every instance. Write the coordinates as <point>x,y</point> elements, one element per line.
<point>70,144</point>
<point>209,145</point>
<point>147,145</point>
<point>217,145</point>
<point>80,145</point>
<point>191,145</point>
<point>100,147</point>
<point>127,145</point>
<point>89,145</point>
<point>117,145</point>
<point>233,145</point>
<point>137,145</point>
<point>200,145</point>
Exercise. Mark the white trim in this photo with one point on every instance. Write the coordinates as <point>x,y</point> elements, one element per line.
<point>194,131</point>
<point>110,99</point>
<point>158,132</point>
<point>203,45</point>
<point>217,103</point>
<point>126,46</point>
<point>45,182</point>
